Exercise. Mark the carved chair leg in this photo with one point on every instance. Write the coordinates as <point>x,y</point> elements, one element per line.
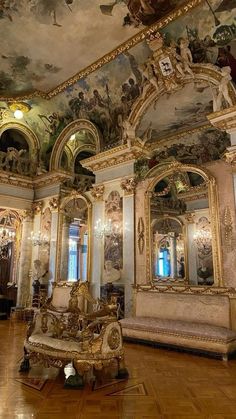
<point>25,364</point>
<point>122,370</point>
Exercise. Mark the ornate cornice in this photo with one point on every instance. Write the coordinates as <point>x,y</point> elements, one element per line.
<point>224,120</point>
<point>114,157</point>
<point>182,10</point>
<point>11,179</point>
<point>47,179</point>
<point>27,182</point>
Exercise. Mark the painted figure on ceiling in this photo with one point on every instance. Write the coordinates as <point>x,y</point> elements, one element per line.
<point>48,11</point>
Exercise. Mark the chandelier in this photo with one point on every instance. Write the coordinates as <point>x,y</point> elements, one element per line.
<point>203,240</point>
<point>38,239</point>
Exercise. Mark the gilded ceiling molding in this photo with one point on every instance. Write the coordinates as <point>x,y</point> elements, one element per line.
<point>224,119</point>
<point>130,43</point>
<point>11,179</point>
<point>202,72</point>
<point>50,178</point>
<point>70,129</point>
<point>31,138</point>
<point>114,157</point>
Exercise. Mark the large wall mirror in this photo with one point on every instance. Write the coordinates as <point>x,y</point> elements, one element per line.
<point>74,239</point>
<point>183,238</point>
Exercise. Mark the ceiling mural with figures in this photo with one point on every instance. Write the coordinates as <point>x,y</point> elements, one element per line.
<point>107,95</point>
<point>198,147</point>
<point>70,35</point>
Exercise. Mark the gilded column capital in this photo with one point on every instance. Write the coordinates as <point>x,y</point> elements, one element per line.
<point>129,185</point>
<point>189,217</point>
<point>230,155</point>
<point>37,207</point>
<point>54,203</point>
<point>97,192</point>
<point>27,215</point>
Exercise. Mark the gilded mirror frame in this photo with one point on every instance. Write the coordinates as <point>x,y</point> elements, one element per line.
<point>64,202</point>
<point>158,173</point>
<point>183,227</point>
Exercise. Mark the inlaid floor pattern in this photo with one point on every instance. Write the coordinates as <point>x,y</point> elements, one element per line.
<point>162,384</point>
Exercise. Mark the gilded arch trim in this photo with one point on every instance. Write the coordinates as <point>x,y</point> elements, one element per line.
<point>72,128</point>
<point>159,172</point>
<point>202,72</point>
<point>31,138</point>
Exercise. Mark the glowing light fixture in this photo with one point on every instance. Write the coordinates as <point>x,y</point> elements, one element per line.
<point>72,137</point>
<point>18,114</point>
<point>19,109</point>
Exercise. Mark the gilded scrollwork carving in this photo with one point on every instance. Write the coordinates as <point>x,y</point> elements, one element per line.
<point>228,229</point>
<point>128,185</point>
<point>140,235</point>
<point>54,203</point>
<point>37,207</point>
<point>97,192</point>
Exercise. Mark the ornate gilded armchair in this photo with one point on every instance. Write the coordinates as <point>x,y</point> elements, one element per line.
<point>63,332</point>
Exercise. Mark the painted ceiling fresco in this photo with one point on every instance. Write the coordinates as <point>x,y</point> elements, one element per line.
<point>196,148</point>
<point>107,95</point>
<point>45,42</point>
<point>178,112</point>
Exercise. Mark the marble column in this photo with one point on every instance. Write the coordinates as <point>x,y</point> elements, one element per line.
<point>24,280</point>
<point>128,251</point>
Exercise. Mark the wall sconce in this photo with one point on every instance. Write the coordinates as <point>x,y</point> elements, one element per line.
<point>38,239</point>
<point>19,108</point>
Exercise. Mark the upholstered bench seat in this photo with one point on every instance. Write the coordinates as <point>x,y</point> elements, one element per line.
<point>176,327</point>
<point>201,323</point>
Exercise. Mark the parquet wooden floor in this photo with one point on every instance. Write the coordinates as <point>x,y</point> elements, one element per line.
<point>162,384</point>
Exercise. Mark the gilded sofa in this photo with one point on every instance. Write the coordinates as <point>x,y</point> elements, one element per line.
<point>201,319</point>
<point>63,332</point>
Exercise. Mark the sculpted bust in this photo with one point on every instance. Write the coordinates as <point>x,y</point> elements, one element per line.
<point>110,274</point>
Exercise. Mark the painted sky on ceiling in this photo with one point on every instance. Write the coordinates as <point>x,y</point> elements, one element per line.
<point>107,95</point>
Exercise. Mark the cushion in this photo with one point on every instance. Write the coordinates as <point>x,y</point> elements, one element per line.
<point>192,308</point>
<point>61,297</point>
<point>177,327</point>
<point>56,344</point>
